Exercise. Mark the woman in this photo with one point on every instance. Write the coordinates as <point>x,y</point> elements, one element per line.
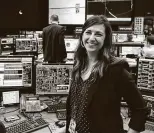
<point>99,81</point>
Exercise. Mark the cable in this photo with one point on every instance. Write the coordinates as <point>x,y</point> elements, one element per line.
<point>111,13</point>
<point>124,12</point>
<point>105,7</point>
<point>50,129</point>
<point>115,16</point>
<point>132,4</point>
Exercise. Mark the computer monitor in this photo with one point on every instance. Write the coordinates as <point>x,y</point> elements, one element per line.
<point>16,72</point>
<point>26,46</point>
<point>70,12</point>
<point>7,45</point>
<point>10,97</point>
<point>118,12</point>
<point>53,78</point>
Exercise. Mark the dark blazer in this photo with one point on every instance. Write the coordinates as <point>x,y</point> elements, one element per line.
<point>53,43</point>
<point>2,128</point>
<point>104,99</point>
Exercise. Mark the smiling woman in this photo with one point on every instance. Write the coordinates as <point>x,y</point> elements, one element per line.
<point>95,45</point>
<point>93,38</point>
<point>99,82</point>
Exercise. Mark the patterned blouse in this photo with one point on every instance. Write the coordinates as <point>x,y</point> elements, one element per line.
<point>78,103</point>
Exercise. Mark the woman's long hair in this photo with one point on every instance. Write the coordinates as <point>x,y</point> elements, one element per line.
<point>80,56</point>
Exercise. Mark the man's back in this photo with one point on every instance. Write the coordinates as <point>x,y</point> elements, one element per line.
<point>53,43</point>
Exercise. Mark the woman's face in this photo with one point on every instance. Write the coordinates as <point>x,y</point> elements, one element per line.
<point>93,38</point>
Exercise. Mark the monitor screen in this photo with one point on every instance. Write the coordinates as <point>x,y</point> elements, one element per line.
<point>118,12</point>
<point>53,78</point>
<point>10,97</point>
<point>70,12</point>
<point>16,71</point>
<point>26,45</point>
<point>7,45</point>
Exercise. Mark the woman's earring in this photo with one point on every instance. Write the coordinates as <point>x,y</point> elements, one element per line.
<point>82,44</point>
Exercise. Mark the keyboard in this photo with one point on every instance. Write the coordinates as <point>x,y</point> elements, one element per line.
<point>53,108</point>
<point>27,126</point>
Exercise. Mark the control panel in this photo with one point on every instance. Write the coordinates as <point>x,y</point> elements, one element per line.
<point>139,25</point>
<point>53,79</point>
<point>145,74</point>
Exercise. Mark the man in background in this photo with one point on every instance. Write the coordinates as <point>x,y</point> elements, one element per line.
<point>54,50</point>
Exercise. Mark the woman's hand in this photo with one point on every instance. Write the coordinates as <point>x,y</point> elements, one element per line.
<point>132,131</point>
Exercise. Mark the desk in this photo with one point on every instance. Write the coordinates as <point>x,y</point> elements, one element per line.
<point>127,44</point>
<point>49,117</point>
